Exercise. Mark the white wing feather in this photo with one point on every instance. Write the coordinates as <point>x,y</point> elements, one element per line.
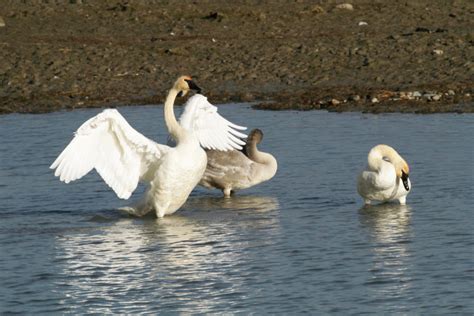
<point>212,130</point>
<point>121,155</point>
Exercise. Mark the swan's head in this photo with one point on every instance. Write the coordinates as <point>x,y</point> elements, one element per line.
<point>184,84</point>
<point>255,136</point>
<point>391,155</point>
<point>403,172</point>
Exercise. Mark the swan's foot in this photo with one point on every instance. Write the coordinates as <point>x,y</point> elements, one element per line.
<point>402,200</point>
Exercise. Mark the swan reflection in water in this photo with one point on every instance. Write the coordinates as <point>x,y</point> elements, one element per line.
<point>193,260</point>
<point>388,226</point>
<point>248,203</point>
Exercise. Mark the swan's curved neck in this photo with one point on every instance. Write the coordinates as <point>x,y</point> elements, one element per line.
<point>172,124</point>
<point>376,156</point>
<point>268,162</point>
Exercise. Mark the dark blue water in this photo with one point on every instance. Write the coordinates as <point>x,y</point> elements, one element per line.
<point>299,243</point>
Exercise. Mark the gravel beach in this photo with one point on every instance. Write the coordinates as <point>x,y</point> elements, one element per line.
<point>372,56</point>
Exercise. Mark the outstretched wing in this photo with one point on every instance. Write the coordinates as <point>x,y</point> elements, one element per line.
<point>212,130</point>
<point>121,155</point>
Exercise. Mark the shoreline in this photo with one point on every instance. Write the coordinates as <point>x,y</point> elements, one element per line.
<point>384,56</point>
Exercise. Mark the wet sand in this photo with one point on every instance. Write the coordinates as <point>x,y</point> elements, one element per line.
<point>379,56</point>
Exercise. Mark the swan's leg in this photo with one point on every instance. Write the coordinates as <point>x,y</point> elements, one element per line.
<point>139,209</point>
<point>227,192</point>
<point>160,209</point>
<point>402,200</point>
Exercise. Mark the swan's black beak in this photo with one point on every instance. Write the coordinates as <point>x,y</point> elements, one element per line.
<point>405,180</point>
<point>193,86</point>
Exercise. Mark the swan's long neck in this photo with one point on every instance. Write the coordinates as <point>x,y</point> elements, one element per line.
<point>267,162</point>
<point>172,124</point>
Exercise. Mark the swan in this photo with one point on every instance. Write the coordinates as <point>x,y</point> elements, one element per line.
<point>386,177</point>
<point>123,157</point>
<point>235,170</point>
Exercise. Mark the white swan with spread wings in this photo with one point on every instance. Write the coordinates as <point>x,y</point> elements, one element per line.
<point>123,157</point>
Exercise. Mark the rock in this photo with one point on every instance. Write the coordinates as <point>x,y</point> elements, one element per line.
<point>345,6</point>
<point>416,94</point>
<point>428,95</point>
<point>355,98</point>
<point>2,22</point>
<point>432,96</point>
<point>177,51</point>
<point>451,92</point>
<point>438,52</point>
<point>362,23</point>
<point>374,100</point>
<point>316,9</point>
<point>335,102</point>
<point>214,16</point>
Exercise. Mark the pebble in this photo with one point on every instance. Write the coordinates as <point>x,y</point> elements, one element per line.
<point>316,9</point>
<point>436,97</point>
<point>438,52</point>
<point>2,22</point>
<point>362,23</point>
<point>416,94</point>
<point>335,102</point>
<point>375,100</point>
<point>451,92</point>
<point>346,6</point>
<point>354,98</point>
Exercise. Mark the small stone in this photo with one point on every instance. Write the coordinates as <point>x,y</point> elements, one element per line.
<point>416,94</point>
<point>374,100</point>
<point>214,16</point>
<point>354,98</point>
<point>345,6</point>
<point>335,102</point>
<point>2,22</point>
<point>438,52</point>
<point>451,92</point>
<point>428,95</point>
<point>316,9</point>
<point>436,97</point>
<point>362,23</point>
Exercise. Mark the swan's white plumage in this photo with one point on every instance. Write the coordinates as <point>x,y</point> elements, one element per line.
<point>123,157</point>
<point>381,181</point>
<point>212,130</point>
<point>120,154</point>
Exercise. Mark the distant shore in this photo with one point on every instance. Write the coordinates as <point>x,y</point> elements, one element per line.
<point>370,56</point>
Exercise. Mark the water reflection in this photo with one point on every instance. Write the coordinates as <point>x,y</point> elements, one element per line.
<point>194,257</point>
<point>237,203</point>
<point>388,226</point>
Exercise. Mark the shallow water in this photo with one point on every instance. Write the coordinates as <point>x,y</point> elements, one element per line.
<point>299,243</point>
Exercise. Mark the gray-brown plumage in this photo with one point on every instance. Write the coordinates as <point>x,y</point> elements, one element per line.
<point>234,170</point>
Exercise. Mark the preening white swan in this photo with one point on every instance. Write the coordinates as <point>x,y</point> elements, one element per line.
<point>235,170</point>
<point>386,177</point>
<point>122,156</point>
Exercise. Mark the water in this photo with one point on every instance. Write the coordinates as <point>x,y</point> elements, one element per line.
<point>299,243</point>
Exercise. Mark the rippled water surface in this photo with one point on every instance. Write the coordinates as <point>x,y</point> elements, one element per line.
<point>299,243</point>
